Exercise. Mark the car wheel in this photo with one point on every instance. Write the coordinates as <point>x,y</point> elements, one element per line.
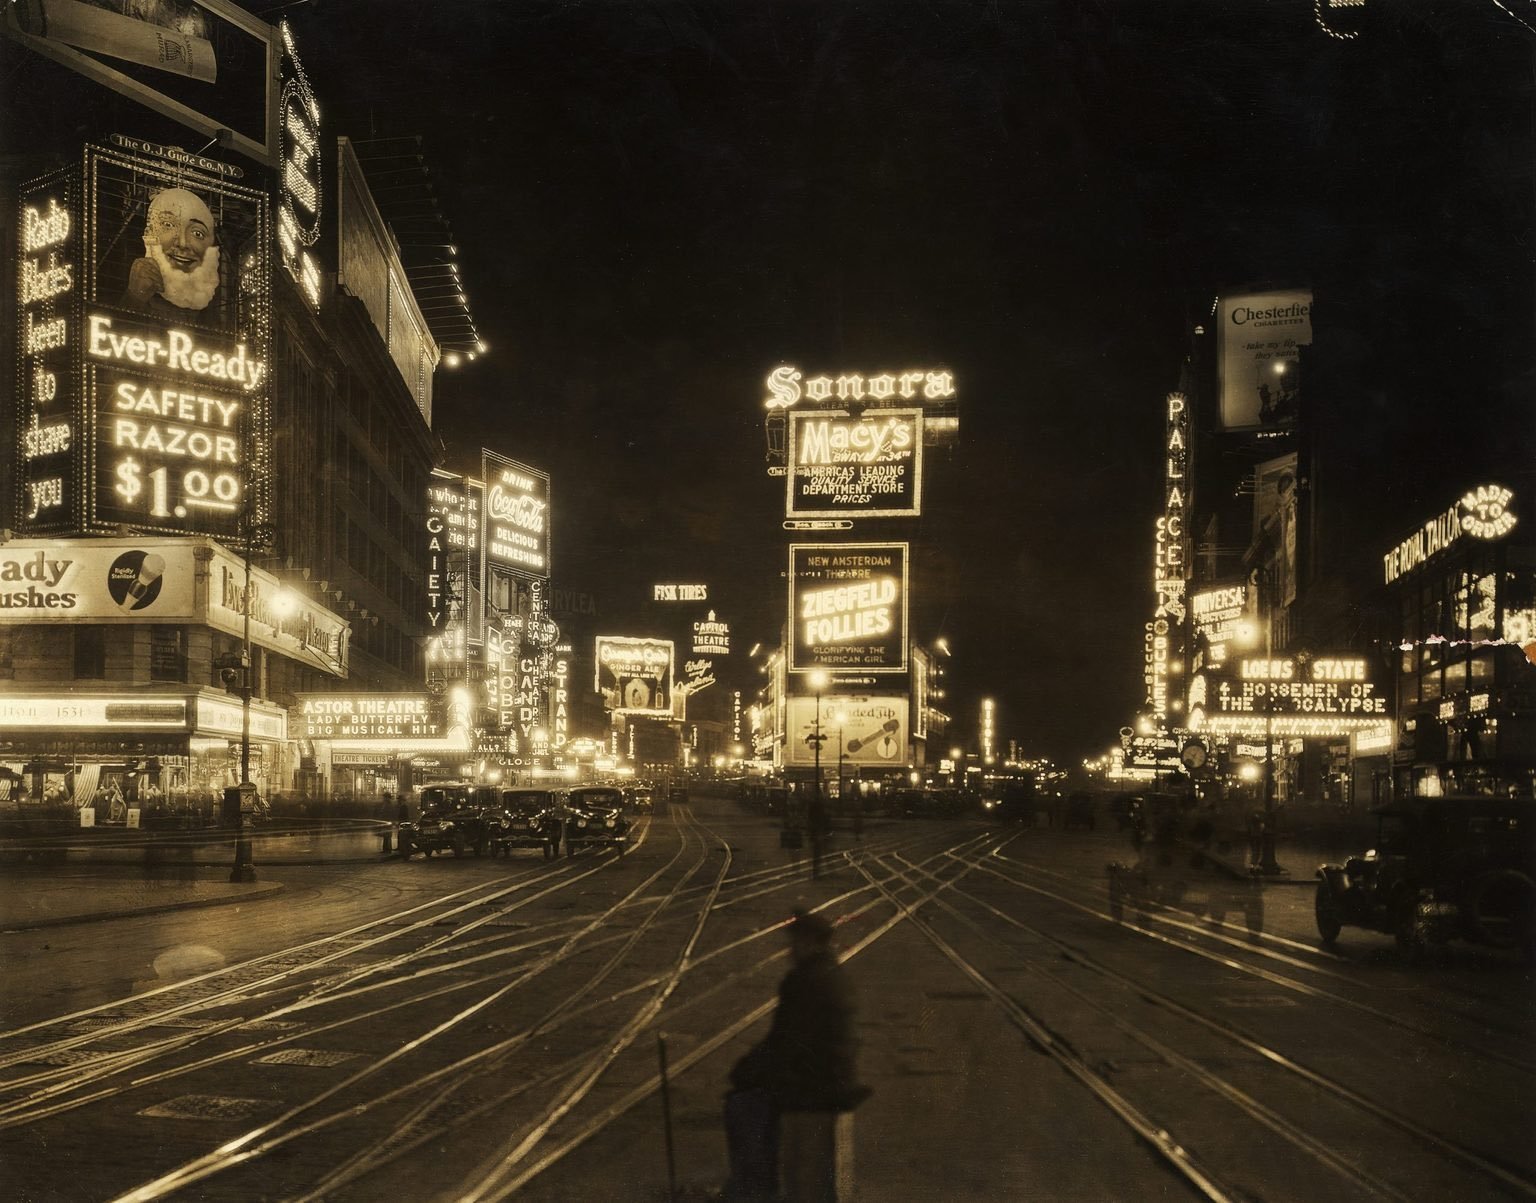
<point>1325,908</point>
<point>1407,930</point>
<point>570,848</point>
<point>426,851</point>
<point>483,845</point>
<point>459,844</point>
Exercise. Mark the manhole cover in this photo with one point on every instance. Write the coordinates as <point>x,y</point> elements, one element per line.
<point>316,1057</point>
<point>204,1106</point>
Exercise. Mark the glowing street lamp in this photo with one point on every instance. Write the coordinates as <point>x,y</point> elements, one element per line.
<point>818,681</point>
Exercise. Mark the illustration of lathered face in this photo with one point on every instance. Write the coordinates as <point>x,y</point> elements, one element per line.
<point>178,236</point>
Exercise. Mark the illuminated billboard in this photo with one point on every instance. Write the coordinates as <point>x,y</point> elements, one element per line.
<point>865,732</point>
<point>848,607</point>
<point>516,533</point>
<point>365,716</point>
<point>635,675</point>
<point>144,347</point>
<point>1259,337</point>
<point>1217,613</point>
<point>48,341</point>
<point>843,465</point>
<point>208,66</point>
<point>97,580</point>
<point>299,192</point>
<point>1328,695</point>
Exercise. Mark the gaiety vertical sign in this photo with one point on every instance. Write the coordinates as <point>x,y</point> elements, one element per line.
<point>174,346</point>
<point>848,607</point>
<point>47,385</point>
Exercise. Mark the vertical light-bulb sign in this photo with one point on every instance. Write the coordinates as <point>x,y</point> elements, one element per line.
<point>1162,632</point>
<point>175,343</point>
<point>47,386</point>
<point>516,516</point>
<point>988,730</point>
<point>299,197</point>
<point>560,697</point>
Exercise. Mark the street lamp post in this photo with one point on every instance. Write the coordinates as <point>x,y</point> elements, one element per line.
<point>1267,863</point>
<point>244,869</point>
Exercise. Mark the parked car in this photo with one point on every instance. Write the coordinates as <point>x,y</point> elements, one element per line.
<point>526,818</point>
<point>451,819</point>
<point>1441,868</point>
<point>594,815</point>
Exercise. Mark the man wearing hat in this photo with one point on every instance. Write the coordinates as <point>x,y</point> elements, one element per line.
<point>806,1065</point>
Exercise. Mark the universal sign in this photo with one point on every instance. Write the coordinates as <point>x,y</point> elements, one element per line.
<point>864,466</point>
<point>1484,512</point>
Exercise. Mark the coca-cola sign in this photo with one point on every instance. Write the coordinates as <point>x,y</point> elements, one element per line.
<point>516,516</point>
<point>517,509</point>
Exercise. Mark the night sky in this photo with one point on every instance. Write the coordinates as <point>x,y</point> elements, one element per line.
<point>657,203</point>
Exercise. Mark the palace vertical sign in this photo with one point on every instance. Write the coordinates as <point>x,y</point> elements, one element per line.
<point>1162,643</point>
<point>47,385</point>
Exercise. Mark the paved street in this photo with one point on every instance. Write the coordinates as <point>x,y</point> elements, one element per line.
<point>479,1028</point>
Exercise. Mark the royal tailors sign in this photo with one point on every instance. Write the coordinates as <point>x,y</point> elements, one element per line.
<point>846,466</point>
<point>143,343</point>
<point>848,606</point>
<point>1485,512</point>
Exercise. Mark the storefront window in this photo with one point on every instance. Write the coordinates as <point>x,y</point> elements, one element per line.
<point>1480,669</point>
<point>1429,689</point>
<point>1456,678</point>
<point>167,654</point>
<point>90,653</point>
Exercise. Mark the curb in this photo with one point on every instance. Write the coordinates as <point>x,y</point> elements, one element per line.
<point>265,891</point>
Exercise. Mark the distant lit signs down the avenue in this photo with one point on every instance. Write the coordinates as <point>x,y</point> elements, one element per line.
<point>1484,512</point>
<point>679,593</point>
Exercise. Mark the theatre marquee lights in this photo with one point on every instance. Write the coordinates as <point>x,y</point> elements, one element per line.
<point>298,141</point>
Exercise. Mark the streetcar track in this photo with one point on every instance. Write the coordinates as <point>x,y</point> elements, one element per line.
<point>1449,1148</point>
<point>1269,976</point>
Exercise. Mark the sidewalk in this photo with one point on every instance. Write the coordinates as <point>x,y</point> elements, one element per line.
<point>90,893</point>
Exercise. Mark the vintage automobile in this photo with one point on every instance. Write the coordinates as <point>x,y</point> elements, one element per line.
<point>1176,870</point>
<point>1441,868</point>
<point>594,816</point>
<point>452,819</point>
<point>641,799</point>
<point>525,818</point>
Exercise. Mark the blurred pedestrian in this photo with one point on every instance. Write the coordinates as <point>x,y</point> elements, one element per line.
<point>800,1082</point>
<point>817,825</point>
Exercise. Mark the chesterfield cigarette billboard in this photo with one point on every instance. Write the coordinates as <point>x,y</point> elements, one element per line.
<point>848,607</point>
<point>842,466</point>
<point>1259,341</point>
